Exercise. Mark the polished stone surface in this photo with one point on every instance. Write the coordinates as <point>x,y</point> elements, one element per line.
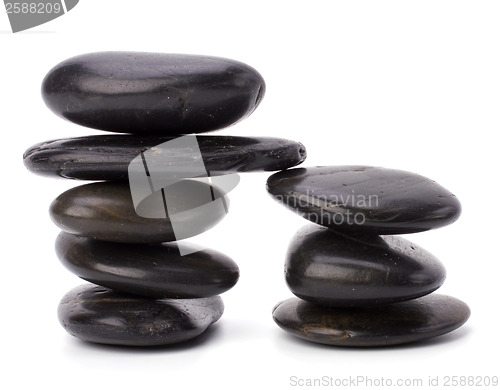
<point>100,315</point>
<point>362,198</point>
<point>105,211</point>
<point>106,157</point>
<point>397,323</point>
<point>155,270</point>
<point>152,93</point>
<point>335,269</point>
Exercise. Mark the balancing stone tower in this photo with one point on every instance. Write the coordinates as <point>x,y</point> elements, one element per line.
<point>153,188</point>
<point>357,284</point>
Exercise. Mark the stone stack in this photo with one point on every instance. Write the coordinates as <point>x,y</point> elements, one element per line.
<point>357,283</point>
<point>147,289</point>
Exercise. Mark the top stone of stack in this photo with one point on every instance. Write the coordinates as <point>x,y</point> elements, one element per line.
<point>365,199</point>
<point>152,94</point>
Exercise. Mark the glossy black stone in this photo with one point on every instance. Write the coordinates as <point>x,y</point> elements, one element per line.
<point>105,211</point>
<point>100,315</point>
<point>334,269</point>
<point>156,270</point>
<point>361,198</point>
<point>152,93</point>
<point>397,323</point>
<point>106,157</point>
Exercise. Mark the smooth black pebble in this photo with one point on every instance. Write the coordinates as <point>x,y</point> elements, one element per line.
<point>105,211</point>
<point>155,270</point>
<point>333,269</point>
<point>362,198</point>
<point>152,93</point>
<point>397,323</point>
<point>100,315</point>
<point>107,157</point>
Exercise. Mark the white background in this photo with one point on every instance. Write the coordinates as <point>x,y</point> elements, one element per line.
<point>413,85</point>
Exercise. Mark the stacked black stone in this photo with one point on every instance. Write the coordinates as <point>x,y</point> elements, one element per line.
<point>146,292</point>
<point>357,284</point>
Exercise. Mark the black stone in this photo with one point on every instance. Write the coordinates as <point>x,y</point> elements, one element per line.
<point>334,269</point>
<point>361,198</point>
<point>100,315</point>
<point>156,270</point>
<point>105,211</point>
<point>152,93</point>
<point>397,323</point>
<point>106,157</point>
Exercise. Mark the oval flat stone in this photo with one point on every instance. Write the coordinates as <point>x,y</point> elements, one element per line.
<point>100,315</point>
<point>397,323</point>
<point>334,269</point>
<point>105,211</point>
<point>157,270</point>
<point>152,93</point>
<point>362,198</point>
<point>106,157</point>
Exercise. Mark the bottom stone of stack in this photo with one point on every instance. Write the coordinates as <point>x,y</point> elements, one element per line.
<point>398,323</point>
<point>100,315</point>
